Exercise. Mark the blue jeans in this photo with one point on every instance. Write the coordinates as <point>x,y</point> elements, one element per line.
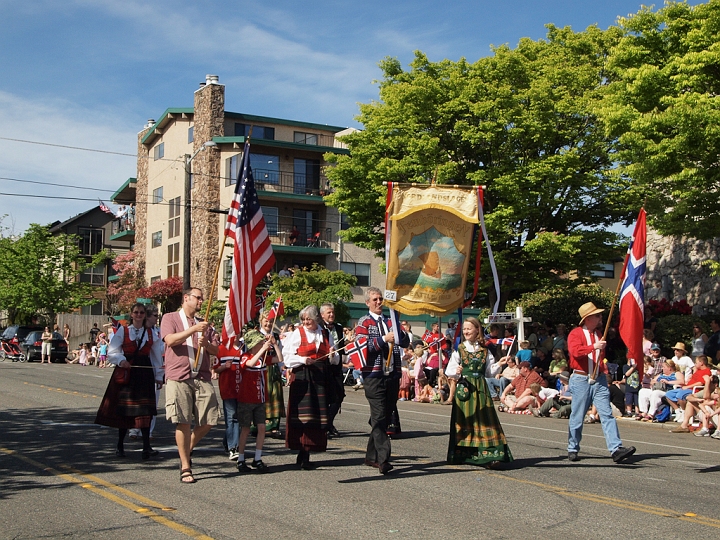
<point>357,375</point>
<point>232,428</point>
<point>497,386</point>
<point>583,394</point>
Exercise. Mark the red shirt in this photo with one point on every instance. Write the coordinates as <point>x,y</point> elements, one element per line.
<point>229,379</point>
<point>699,377</point>
<point>578,350</point>
<point>252,384</point>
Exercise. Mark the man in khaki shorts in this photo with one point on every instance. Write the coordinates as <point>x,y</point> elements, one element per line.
<point>189,394</point>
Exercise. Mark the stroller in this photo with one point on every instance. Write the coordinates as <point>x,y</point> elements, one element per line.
<point>11,351</point>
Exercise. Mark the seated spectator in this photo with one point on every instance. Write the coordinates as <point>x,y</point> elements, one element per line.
<point>543,399</point>
<point>559,363</point>
<point>694,404</point>
<point>650,398</point>
<point>509,371</point>
<point>524,354</point>
<point>541,361</point>
<point>517,395</point>
<point>682,360</point>
<point>676,397</point>
<point>710,413</point>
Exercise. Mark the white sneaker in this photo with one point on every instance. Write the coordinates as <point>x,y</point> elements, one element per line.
<point>234,455</point>
<point>716,435</point>
<point>704,432</point>
<point>679,416</point>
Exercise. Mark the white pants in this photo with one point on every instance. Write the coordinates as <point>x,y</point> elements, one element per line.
<point>649,400</point>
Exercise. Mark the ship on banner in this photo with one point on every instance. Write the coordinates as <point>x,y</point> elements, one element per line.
<point>431,232</point>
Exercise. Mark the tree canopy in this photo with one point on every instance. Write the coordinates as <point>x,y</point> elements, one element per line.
<point>40,274</point>
<point>662,105</point>
<point>520,122</point>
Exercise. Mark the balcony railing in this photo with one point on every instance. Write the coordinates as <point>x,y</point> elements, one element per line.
<point>288,182</point>
<point>123,224</point>
<point>319,239</point>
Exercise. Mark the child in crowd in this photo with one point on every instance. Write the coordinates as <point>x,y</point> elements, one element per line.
<point>227,366</point>
<point>102,351</point>
<point>404,393</point>
<point>524,354</point>
<point>92,359</point>
<point>632,389</point>
<point>83,355</point>
<point>419,359</point>
<point>252,395</point>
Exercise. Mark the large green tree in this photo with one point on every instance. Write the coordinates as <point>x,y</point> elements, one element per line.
<point>39,274</point>
<point>663,107</point>
<point>520,122</point>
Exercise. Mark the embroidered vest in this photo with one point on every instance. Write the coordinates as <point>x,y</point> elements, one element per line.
<point>308,349</point>
<point>129,346</point>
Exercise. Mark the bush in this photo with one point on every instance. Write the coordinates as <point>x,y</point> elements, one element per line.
<point>674,328</point>
<point>560,303</point>
<point>663,307</point>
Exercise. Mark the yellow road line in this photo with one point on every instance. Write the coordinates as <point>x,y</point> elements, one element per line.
<point>60,390</point>
<point>184,529</point>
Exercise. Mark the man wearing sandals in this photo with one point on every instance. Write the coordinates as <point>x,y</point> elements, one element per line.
<point>189,393</point>
<point>585,346</point>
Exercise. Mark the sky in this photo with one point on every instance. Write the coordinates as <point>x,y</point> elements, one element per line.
<point>88,74</point>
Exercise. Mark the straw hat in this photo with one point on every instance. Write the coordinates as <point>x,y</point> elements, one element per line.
<point>588,309</point>
<point>680,347</point>
<point>252,338</point>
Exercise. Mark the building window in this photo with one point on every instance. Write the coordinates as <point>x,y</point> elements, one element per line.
<point>95,309</point>
<point>305,138</point>
<point>174,260</point>
<point>266,169</point>
<point>258,132</point>
<point>91,241</point>
<point>157,239</point>
<point>191,134</point>
<point>232,165</point>
<point>271,219</point>
<point>159,151</point>
<point>359,270</point>
<point>154,279</point>
<point>174,218</point>
<point>306,174</point>
<point>227,272</point>
<point>94,275</point>
<point>344,222</point>
<point>604,271</point>
<point>157,196</point>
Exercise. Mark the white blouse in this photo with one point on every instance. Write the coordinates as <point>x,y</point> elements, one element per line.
<point>290,347</point>
<point>453,370</point>
<point>115,353</point>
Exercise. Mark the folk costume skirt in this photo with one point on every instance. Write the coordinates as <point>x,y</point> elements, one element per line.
<point>476,436</point>
<point>275,404</point>
<point>131,405</point>
<point>307,414</point>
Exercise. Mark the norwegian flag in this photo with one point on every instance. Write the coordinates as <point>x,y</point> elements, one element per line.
<point>260,300</point>
<point>277,309</point>
<point>632,294</point>
<point>253,256</point>
<point>357,352</point>
<point>427,336</point>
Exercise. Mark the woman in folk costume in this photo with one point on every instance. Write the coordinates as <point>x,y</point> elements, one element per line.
<point>275,404</point>
<point>308,353</point>
<point>476,436</point>
<point>129,401</point>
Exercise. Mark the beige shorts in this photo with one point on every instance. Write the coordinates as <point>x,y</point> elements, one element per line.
<point>189,400</point>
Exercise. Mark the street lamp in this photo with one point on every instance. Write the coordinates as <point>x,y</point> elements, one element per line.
<point>186,239</point>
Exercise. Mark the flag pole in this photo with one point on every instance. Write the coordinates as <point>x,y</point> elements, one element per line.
<point>215,278</point>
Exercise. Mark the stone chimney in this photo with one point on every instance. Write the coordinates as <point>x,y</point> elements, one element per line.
<point>141,198</point>
<point>209,120</point>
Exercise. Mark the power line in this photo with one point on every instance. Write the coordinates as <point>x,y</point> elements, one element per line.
<point>55,184</point>
<point>69,147</point>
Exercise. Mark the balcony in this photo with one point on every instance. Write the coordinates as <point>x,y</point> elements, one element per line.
<point>290,183</point>
<point>321,242</point>
<point>122,229</point>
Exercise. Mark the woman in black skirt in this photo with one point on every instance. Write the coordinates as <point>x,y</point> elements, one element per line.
<point>129,401</point>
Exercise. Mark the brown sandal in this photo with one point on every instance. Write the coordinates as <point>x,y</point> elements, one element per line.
<point>186,476</point>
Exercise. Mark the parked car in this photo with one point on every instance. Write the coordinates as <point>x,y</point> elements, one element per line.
<point>32,347</point>
<point>17,333</point>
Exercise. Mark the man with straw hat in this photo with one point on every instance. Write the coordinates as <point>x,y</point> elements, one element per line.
<point>585,346</point>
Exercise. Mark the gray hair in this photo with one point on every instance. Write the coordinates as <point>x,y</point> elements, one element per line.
<point>372,290</point>
<point>309,312</point>
<point>326,306</point>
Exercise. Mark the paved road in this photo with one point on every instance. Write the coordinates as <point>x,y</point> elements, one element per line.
<point>59,478</point>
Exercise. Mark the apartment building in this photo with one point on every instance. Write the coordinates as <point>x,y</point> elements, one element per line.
<point>199,149</point>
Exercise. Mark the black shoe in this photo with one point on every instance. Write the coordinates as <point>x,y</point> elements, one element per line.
<point>333,432</point>
<point>119,452</point>
<point>147,454</point>
<point>259,466</point>
<point>243,468</point>
<point>385,468</point>
<point>622,453</point>
<point>573,456</point>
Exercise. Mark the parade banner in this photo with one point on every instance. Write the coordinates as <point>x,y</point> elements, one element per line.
<point>431,234</point>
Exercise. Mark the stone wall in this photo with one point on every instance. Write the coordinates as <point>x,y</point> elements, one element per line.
<point>675,271</point>
<point>208,121</point>
<point>142,199</point>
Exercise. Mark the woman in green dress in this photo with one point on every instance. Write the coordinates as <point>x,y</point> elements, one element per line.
<point>476,437</point>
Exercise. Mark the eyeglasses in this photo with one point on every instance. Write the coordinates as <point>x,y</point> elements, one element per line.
<point>196,296</point>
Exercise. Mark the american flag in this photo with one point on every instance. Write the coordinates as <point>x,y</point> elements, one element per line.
<point>632,294</point>
<point>357,352</point>
<point>253,256</point>
<point>105,208</point>
<point>277,309</point>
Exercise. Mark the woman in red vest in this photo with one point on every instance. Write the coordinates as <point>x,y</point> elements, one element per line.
<point>307,353</point>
